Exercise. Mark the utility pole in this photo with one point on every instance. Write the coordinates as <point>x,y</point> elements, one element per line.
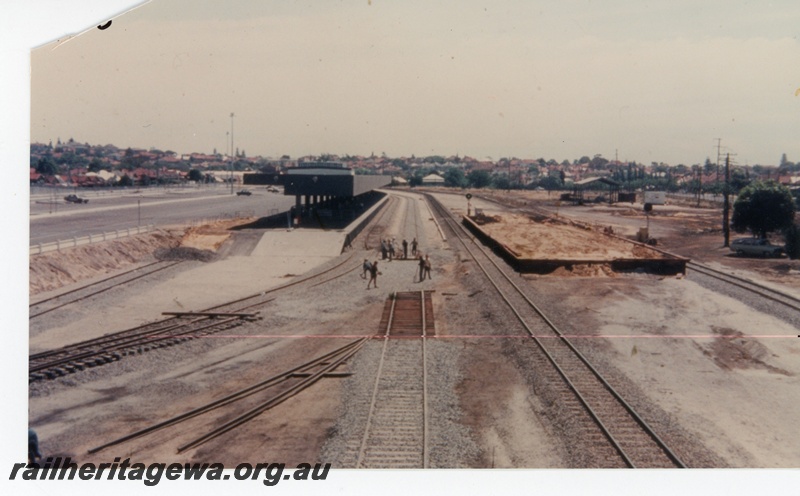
<point>699,185</point>
<point>719,142</point>
<point>232,152</point>
<point>726,227</point>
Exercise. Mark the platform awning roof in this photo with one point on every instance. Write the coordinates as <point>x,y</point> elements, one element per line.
<point>603,180</point>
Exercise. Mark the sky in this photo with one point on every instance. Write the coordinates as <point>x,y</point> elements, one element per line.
<point>645,81</point>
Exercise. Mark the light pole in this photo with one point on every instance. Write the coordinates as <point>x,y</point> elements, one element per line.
<point>232,154</point>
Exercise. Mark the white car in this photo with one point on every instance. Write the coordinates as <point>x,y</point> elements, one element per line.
<point>756,247</point>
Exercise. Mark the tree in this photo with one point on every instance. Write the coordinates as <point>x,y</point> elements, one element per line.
<point>550,183</point>
<point>598,162</point>
<point>792,236</point>
<point>125,180</point>
<point>195,175</point>
<point>763,207</point>
<point>455,178</point>
<point>46,167</point>
<point>502,182</point>
<point>479,178</point>
<point>739,180</point>
<point>96,165</point>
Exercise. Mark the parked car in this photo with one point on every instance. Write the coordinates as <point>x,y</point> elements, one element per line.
<point>75,199</point>
<point>244,192</point>
<point>756,247</point>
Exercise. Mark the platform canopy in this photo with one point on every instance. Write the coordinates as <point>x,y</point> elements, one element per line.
<point>590,180</point>
<point>578,188</point>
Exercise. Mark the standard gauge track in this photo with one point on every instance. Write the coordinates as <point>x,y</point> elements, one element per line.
<point>396,431</point>
<point>748,285</point>
<point>621,437</point>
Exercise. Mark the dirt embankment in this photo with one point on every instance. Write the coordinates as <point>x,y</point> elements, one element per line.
<point>52,270</point>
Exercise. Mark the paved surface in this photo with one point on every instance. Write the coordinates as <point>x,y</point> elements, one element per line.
<point>108,211</point>
<point>279,255</point>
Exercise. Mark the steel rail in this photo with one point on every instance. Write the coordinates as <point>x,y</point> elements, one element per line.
<point>31,316</point>
<point>147,329</point>
<point>142,339</point>
<point>363,448</point>
<point>615,444</point>
<point>129,338</point>
<point>274,401</point>
<point>425,433</point>
<point>650,432</point>
<point>94,283</point>
<point>108,338</point>
<point>377,222</point>
<point>743,283</point>
<point>228,399</point>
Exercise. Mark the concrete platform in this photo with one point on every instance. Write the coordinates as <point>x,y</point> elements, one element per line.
<point>638,257</point>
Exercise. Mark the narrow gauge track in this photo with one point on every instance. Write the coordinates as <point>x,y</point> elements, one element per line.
<point>411,222</point>
<point>45,306</point>
<point>396,431</point>
<point>167,332</point>
<point>748,285</point>
<point>372,240</point>
<point>618,434</point>
<point>287,384</point>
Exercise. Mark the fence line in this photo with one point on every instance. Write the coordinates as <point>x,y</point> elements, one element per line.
<point>239,214</point>
<point>87,240</point>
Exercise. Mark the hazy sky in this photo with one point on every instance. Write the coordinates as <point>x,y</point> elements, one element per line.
<point>657,81</point>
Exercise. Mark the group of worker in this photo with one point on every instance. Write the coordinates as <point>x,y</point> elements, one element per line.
<point>389,250</point>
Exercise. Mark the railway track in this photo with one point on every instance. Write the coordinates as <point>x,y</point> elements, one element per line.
<point>48,305</point>
<point>748,285</point>
<point>619,435</point>
<point>372,240</point>
<point>174,330</point>
<point>279,387</point>
<point>396,431</point>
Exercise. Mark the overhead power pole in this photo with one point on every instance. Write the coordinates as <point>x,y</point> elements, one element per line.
<point>232,154</point>
<point>726,225</point>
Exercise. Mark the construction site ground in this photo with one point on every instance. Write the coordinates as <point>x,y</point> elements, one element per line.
<point>735,400</point>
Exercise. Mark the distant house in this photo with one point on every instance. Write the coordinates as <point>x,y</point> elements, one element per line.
<point>433,180</point>
<point>399,181</point>
<point>36,177</point>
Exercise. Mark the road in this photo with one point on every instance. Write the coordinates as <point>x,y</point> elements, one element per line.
<point>51,218</point>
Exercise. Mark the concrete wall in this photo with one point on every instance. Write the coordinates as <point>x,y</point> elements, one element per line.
<point>363,184</point>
